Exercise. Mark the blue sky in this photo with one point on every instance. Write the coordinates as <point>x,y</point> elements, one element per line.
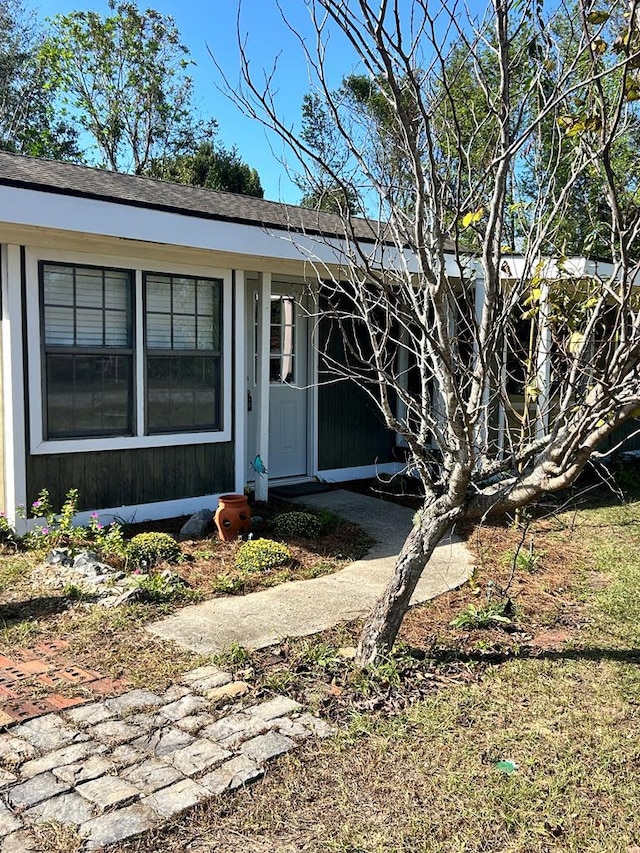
<point>211,25</point>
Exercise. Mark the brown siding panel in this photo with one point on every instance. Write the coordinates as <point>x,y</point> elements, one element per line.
<point>114,478</point>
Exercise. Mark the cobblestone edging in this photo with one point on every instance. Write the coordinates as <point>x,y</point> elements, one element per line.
<point>119,767</point>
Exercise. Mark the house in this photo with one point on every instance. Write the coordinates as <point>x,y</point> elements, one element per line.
<point>153,345</point>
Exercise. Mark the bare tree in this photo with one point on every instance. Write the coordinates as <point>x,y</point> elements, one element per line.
<point>504,371</point>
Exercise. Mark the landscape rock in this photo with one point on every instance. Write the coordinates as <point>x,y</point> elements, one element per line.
<point>197,526</point>
<point>118,825</point>
<point>265,747</point>
<point>70,809</point>
<point>176,798</point>
<point>233,773</point>
<point>59,557</point>
<point>108,791</point>
<point>227,692</point>
<point>36,790</point>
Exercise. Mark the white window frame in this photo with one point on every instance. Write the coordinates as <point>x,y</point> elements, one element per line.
<point>41,445</point>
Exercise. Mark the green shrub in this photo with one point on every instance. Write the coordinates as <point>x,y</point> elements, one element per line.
<point>298,524</point>
<point>147,549</point>
<point>260,555</point>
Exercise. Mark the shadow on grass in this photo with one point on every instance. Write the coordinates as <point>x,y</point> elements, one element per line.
<point>38,608</point>
<point>497,657</point>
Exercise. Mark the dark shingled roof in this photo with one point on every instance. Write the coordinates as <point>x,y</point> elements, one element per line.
<point>84,182</point>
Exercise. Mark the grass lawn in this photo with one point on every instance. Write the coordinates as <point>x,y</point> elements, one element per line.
<point>412,766</point>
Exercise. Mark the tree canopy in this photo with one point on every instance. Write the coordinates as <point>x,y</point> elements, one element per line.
<point>211,166</point>
<point>29,123</point>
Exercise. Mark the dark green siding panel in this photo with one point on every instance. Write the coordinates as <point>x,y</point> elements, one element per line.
<point>350,430</point>
<point>350,427</point>
<point>622,435</point>
<point>114,478</point>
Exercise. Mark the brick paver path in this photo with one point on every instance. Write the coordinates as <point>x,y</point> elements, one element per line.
<point>32,681</point>
<point>118,767</point>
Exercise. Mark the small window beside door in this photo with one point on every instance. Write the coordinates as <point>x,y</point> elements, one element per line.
<point>282,341</point>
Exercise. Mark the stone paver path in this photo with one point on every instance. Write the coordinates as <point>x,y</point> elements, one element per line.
<point>118,767</point>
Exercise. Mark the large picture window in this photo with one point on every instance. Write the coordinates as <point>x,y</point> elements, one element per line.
<point>87,320</point>
<point>183,340</point>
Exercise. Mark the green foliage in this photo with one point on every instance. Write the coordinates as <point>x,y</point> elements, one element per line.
<point>491,616</point>
<point>108,540</point>
<point>28,122</point>
<point>58,530</point>
<point>8,534</point>
<point>235,656</point>
<point>261,555</point>
<point>526,560</point>
<point>123,78</point>
<point>298,524</point>
<point>228,583</point>
<point>148,549</point>
<point>159,587</point>
<point>211,166</point>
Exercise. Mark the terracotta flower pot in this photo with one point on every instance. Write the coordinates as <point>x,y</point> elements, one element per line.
<point>232,517</point>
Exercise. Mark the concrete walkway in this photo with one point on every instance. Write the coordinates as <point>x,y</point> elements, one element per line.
<point>300,608</point>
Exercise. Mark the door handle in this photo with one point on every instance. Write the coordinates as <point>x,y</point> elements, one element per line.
<point>249,401</point>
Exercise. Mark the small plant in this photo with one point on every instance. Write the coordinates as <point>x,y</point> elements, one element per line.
<point>158,588</point>
<point>483,617</point>
<point>8,535</point>
<point>58,530</point>
<point>260,555</point>
<point>228,583</point>
<point>146,550</point>
<point>235,656</point>
<point>301,524</point>
<point>73,592</point>
<point>107,539</point>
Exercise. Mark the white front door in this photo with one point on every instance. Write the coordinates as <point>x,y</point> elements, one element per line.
<point>288,381</point>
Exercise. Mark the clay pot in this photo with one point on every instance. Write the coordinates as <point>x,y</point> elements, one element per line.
<point>232,517</point>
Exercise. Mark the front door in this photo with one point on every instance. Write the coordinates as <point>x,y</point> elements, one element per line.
<point>288,381</point>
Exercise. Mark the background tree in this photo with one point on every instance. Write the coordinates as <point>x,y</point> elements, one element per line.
<point>426,322</point>
<point>123,78</point>
<point>211,166</point>
<point>28,123</point>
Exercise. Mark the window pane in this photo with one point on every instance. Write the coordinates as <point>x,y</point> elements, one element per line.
<point>205,292</point>
<point>89,288</point>
<point>59,285</point>
<point>59,326</point>
<point>184,332</point>
<point>117,331</point>
<point>206,334</point>
<point>89,395</point>
<point>183,393</point>
<point>116,290</point>
<point>158,294</point>
<point>89,330</point>
<point>184,296</point>
<point>159,331</point>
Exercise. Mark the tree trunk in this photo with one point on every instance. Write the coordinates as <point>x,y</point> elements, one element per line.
<point>382,626</point>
